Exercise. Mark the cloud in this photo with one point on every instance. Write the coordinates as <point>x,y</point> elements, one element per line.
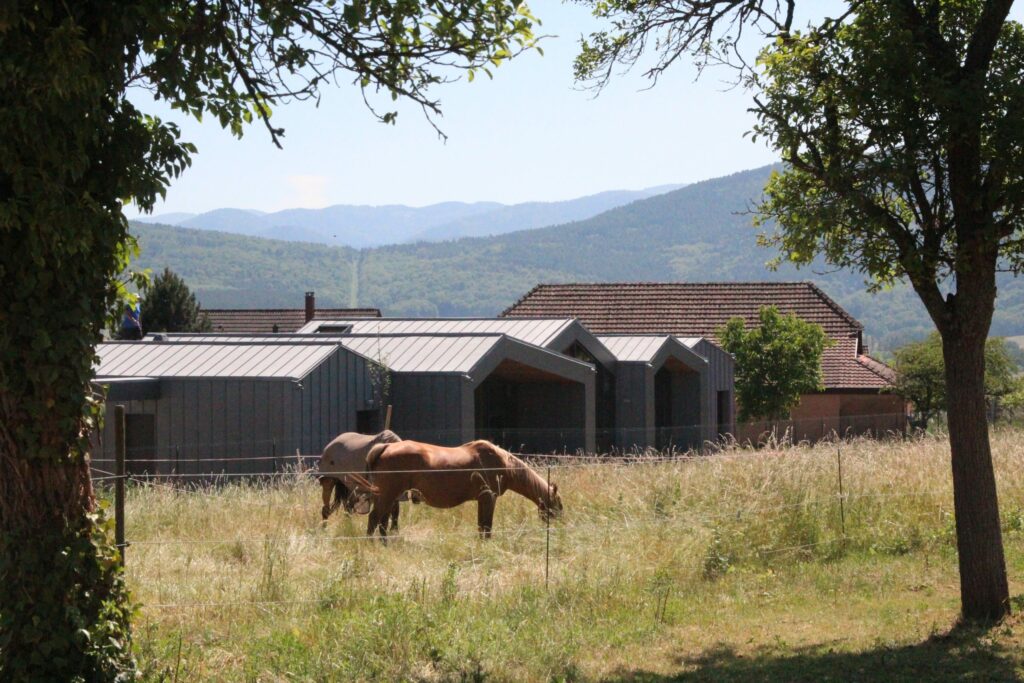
<point>308,191</point>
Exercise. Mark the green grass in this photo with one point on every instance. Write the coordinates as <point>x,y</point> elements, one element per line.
<point>731,567</point>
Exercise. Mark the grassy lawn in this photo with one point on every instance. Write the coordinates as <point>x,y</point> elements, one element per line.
<point>729,567</point>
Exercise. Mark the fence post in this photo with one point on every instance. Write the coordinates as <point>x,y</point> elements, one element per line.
<point>119,472</point>
<point>273,452</point>
<point>547,530</point>
<point>842,504</point>
<point>177,466</point>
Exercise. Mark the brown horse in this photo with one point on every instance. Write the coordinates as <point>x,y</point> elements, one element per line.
<point>341,460</point>
<point>447,477</point>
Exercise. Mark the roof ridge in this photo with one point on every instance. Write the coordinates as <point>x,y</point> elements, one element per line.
<point>834,305</point>
<point>661,283</point>
<point>874,361</point>
<point>520,300</point>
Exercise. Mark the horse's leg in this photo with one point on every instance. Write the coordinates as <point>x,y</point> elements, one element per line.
<point>379,514</point>
<point>327,485</point>
<point>394,516</point>
<point>485,513</point>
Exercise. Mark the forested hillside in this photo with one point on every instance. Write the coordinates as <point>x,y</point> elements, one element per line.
<point>699,233</point>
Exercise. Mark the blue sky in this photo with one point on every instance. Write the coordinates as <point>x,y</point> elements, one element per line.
<point>529,134</point>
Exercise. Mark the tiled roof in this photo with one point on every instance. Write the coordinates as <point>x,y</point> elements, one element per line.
<point>262,320</point>
<point>702,309</point>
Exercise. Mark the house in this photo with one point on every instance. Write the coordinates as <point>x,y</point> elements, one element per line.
<point>205,403</point>
<point>276,320</point>
<point>855,398</point>
<point>691,407</point>
<point>228,405</point>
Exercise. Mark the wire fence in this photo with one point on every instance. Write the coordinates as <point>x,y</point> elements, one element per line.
<point>280,482</point>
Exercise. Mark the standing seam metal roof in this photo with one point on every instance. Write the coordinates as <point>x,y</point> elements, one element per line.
<point>151,359</point>
<point>641,348</point>
<point>536,331</point>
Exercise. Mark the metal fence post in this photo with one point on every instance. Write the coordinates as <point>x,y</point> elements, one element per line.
<point>273,452</point>
<point>119,471</point>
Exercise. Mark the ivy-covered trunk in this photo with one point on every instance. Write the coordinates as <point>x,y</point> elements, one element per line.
<point>63,613</point>
<point>68,150</point>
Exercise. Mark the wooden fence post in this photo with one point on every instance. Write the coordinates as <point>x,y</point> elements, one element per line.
<point>842,502</point>
<point>119,471</point>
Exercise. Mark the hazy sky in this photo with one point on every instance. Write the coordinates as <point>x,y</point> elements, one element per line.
<point>529,134</point>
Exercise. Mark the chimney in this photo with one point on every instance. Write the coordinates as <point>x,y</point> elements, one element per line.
<point>310,305</point>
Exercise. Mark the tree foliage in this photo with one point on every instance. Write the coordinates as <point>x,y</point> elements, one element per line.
<point>900,122</point>
<point>777,361</point>
<point>921,375</point>
<point>73,149</point>
<point>169,306</point>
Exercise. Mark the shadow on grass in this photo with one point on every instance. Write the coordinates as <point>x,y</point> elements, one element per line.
<point>964,654</point>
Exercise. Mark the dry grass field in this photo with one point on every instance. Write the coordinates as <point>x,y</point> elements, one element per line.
<point>726,567</point>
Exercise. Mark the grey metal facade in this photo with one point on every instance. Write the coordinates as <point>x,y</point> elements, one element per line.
<point>667,391</point>
<point>206,425</point>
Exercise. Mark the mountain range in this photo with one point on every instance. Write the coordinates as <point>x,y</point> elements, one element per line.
<point>370,226</point>
<point>702,232</point>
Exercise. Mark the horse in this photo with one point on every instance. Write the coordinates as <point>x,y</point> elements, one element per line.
<point>446,477</point>
<point>342,459</point>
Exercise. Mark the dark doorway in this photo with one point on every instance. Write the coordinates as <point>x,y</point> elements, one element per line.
<point>724,411</point>
<point>677,418</point>
<point>528,410</point>
<point>140,444</point>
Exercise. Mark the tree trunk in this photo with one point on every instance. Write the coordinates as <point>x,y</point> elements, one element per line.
<point>62,607</point>
<point>984,592</point>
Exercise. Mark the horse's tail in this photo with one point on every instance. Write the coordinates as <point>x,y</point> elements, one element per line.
<point>374,455</point>
<point>340,492</point>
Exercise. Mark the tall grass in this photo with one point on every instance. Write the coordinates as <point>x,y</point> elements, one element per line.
<point>242,582</point>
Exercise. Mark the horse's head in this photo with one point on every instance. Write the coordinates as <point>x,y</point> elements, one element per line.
<point>551,506</point>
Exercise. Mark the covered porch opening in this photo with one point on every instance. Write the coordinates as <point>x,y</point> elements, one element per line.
<point>677,416</point>
<point>528,410</point>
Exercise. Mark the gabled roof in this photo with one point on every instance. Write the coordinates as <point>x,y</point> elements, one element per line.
<point>262,320</point>
<point>211,360</point>
<point>539,332</point>
<point>701,309</point>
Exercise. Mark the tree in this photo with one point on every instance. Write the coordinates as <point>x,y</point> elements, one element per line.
<point>169,306</point>
<point>73,149</point>
<point>921,375</point>
<point>777,361</point>
<point>901,123</point>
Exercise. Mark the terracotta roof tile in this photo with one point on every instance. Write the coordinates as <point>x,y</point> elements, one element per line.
<point>262,320</point>
<point>699,309</point>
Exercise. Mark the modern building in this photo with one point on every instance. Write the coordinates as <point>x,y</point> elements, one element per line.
<point>855,398</point>
<point>201,407</point>
<point>672,392</point>
<point>564,336</point>
<point>207,403</point>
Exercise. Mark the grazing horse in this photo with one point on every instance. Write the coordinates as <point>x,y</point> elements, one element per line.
<point>341,460</point>
<point>447,477</point>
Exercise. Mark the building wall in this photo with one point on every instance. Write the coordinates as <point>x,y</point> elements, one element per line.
<point>432,408</point>
<point>826,414</point>
<point>209,426</point>
<point>720,378</point>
